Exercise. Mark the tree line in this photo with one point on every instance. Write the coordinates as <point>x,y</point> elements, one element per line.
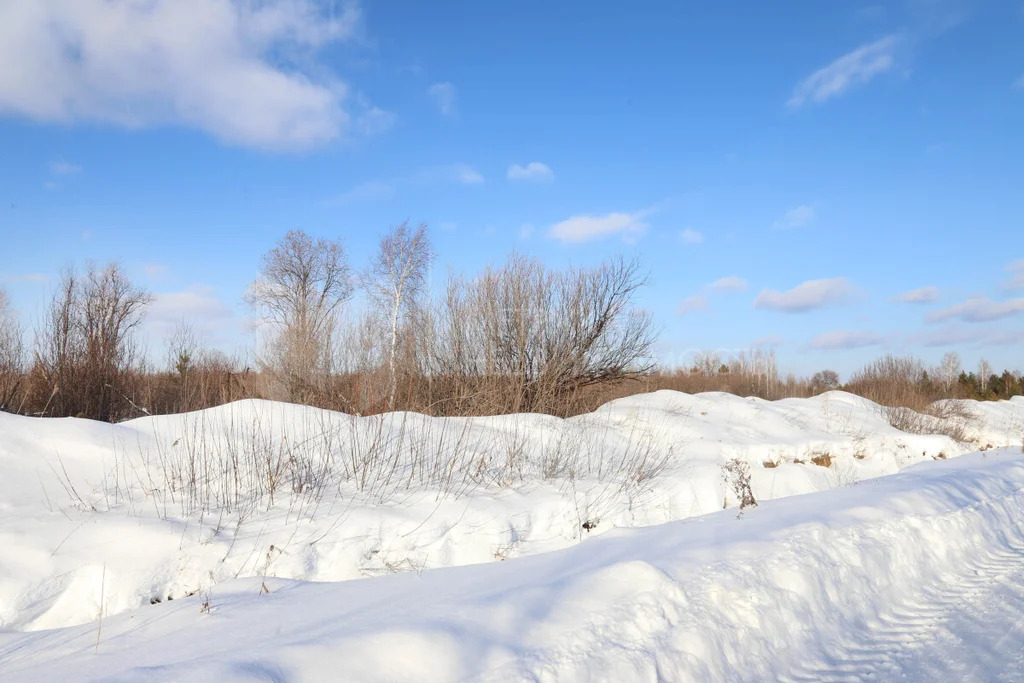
<point>515,337</point>
<point>519,337</point>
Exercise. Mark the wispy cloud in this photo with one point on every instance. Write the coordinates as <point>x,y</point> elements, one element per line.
<point>23,277</point>
<point>732,283</point>
<point>60,168</point>
<point>370,120</point>
<point>807,296</point>
<point>465,174</point>
<point>586,228</point>
<point>797,217</point>
<point>923,295</point>
<point>155,271</point>
<point>371,190</point>
<point>444,96</point>
<point>199,305</point>
<point>946,335</point>
<point>700,301</point>
<point>127,64</point>
<point>691,304</point>
<point>845,339</point>
<point>767,342</point>
<point>854,68</point>
<point>377,190</point>
<point>1016,281</point>
<point>691,236</point>
<point>535,171</point>
<point>1019,83</point>
<point>977,310</point>
<point>468,175</point>
<point>964,336</point>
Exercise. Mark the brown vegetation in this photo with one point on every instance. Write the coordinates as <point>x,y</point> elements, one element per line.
<point>519,337</point>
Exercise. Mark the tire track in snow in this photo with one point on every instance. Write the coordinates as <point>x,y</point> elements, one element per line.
<point>970,627</point>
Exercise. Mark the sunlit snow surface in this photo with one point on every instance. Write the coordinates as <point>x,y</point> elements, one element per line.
<point>917,575</point>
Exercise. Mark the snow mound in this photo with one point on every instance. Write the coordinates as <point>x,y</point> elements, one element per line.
<point>162,508</point>
<point>838,585</point>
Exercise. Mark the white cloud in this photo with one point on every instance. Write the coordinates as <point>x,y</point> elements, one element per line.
<point>444,95</point>
<point>376,190</point>
<point>691,304</point>
<point>198,305</point>
<point>959,335</point>
<point>197,301</point>
<point>64,168</point>
<point>534,171</point>
<point>155,271</point>
<point>699,301</point>
<point>240,71</point>
<point>767,341</point>
<point>371,190</point>
<point>468,175</point>
<point>948,335</point>
<point>691,236</point>
<point>854,68</point>
<point>732,283</point>
<point>1016,281</point>
<point>24,277</point>
<point>923,295</point>
<point>977,310</point>
<point>584,228</point>
<point>797,217</point>
<point>448,173</point>
<point>806,296</point>
<point>845,339</point>
<point>371,120</point>
<point>1005,338</point>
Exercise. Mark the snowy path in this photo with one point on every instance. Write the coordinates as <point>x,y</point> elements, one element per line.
<point>967,627</point>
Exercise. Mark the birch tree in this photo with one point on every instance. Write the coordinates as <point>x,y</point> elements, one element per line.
<point>395,283</point>
<point>984,374</point>
<point>950,369</point>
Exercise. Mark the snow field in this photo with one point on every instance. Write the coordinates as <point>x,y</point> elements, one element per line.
<point>161,508</point>
<point>835,585</point>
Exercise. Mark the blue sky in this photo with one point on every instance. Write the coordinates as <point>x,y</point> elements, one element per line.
<point>787,173</point>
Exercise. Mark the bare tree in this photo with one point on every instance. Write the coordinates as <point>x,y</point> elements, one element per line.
<point>12,356</point>
<point>182,357</point>
<point>824,380</point>
<point>540,335</point>
<point>303,282</point>
<point>86,348</point>
<point>950,370</point>
<point>984,374</point>
<point>707,362</point>
<point>395,282</point>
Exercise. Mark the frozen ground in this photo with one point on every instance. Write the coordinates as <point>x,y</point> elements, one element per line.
<point>917,574</point>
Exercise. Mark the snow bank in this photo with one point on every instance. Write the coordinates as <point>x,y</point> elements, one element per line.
<point>782,592</point>
<point>170,506</point>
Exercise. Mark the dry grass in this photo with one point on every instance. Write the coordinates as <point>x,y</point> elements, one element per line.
<point>244,458</point>
<point>822,460</point>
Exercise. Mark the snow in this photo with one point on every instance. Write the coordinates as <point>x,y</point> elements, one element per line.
<point>799,587</point>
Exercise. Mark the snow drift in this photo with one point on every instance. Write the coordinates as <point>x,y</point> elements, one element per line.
<point>841,585</point>
<point>163,508</point>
